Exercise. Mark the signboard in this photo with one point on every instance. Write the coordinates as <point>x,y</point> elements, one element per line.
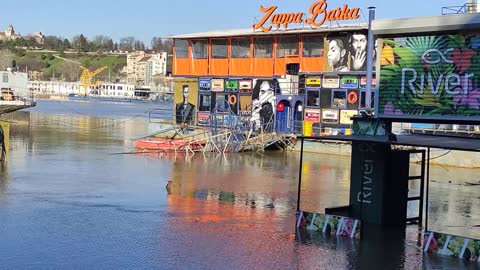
<point>313,81</point>
<point>363,81</point>
<point>349,81</point>
<point>437,80</point>
<point>331,81</point>
<point>204,85</point>
<point>185,99</point>
<point>312,115</point>
<point>217,85</point>
<point>245,86</point>
<point>319,13</point>
<point>231,85</point>
<point>203,118</point>
<point>345,116</point>
<point>329,116</point>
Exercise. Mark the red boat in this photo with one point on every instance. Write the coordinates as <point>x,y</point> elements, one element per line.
<point>168,145</point>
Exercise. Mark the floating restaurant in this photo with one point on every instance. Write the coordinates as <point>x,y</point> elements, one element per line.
<point>299,79</point>
<point>323,78</point>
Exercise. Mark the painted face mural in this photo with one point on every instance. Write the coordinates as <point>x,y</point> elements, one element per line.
<point>337,55</point>
<point>263,104</point>
<point>186,92</point>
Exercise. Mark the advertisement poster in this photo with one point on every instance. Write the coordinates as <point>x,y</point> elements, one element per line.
<point>430,77</point>
<point>218,85</point>
<point>347,52</point>
<point>363,81</point>
<point>330,81</point>
<point>345,116</point>
<point>185,99</point>
<point>312,115</point>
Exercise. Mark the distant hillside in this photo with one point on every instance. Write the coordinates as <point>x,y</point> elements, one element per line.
<point>50,65</point>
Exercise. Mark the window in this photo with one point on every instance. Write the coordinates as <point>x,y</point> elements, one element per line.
<point>263,47</point>
<point>363,99</point>
<point>313,98</point>
<point>240,48</point>
<point>287,46</point>
<point>219,48</point>
<point>5,77</point>
<point>205,103</point>
<point>339,99</point>
<point>312,46</point>
<point>199,48</point>
<point>181,48</point>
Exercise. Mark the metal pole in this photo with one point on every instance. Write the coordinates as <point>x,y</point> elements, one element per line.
<point>428,188</point>
<point>370,48</point>
<point>300,176</point>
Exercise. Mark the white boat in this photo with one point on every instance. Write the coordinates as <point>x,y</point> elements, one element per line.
<point>15,94</point>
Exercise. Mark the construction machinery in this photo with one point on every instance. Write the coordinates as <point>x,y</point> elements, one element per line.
<point>86,80</point>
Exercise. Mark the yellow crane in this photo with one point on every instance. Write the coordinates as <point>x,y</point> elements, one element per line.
<point>86,79</point>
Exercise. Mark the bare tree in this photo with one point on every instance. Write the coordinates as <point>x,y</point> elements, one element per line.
<point>6,58</point>
<point>70,71</point>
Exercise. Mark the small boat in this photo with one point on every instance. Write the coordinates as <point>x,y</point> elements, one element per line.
<point>168,145</point>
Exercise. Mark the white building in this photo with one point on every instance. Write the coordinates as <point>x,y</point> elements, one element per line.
<point>66,88</point>
<point>142,67</point>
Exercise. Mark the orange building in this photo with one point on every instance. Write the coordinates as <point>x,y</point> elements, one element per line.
<point>299,79</point>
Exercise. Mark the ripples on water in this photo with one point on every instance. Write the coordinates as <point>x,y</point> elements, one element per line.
<point>68,199</point>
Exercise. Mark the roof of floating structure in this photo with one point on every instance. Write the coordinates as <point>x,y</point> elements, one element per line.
<point>427,24</point>
<point>293,30</point>
<point>432,141</point>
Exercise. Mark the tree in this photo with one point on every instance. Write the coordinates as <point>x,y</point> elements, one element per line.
<point>83,43</point>
<point>109,45</point>
<point>127,44</point>
<point>162,44</point>
<point>70,71</point>
<point>115,46</point>
<point>66,44</point>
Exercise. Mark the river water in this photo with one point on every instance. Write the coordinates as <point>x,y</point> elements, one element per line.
<point>72,196</point>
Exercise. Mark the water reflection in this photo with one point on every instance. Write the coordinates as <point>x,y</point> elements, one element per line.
<point>65,187</point>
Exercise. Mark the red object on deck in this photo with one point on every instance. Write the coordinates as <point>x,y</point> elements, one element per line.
<point>167,144</point>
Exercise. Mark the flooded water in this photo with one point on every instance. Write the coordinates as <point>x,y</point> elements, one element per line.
<point>72,196</point>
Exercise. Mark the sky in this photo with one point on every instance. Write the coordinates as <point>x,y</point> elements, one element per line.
<point>145,19</point>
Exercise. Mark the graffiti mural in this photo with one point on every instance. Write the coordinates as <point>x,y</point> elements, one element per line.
<point>263,104</point>
<point>185,99</point>
<point>430,77</point>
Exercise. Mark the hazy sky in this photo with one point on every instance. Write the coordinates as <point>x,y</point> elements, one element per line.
<point>147,18</point>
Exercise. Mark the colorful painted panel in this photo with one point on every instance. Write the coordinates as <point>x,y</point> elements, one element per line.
<point>329,116</point>
<point>330,81</point>
<point>203,118</point>
<point>374,127</point>
<point>231,85</point>
<point>315,81</point>
<point>349,81</point>
<point>245,86</point>
<point>430,77</point>
<point>218,85</point>
<point>363,81</point>
<point>450,245</point>
<point>329,224</point>
<point>312,115</point>
<point>346,115</point>
<point>185,98</point>
<point>204,84</point>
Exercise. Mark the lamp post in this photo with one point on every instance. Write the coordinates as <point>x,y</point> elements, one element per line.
<point>370,48</point>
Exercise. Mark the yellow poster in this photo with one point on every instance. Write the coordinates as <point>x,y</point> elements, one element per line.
<point>4,140</point>
<point>185,99</point>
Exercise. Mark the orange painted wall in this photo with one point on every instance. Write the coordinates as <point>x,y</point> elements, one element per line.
<point>240,67</point>
<point>311,64</point>
<point>199,67</point>
<point>218,67</point>
<point>181,66</point>
<point>262,67</point>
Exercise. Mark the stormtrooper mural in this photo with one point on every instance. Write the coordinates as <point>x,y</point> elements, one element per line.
<point>263,105</point>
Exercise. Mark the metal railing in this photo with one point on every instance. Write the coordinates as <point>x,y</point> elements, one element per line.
<point>466,8</point>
